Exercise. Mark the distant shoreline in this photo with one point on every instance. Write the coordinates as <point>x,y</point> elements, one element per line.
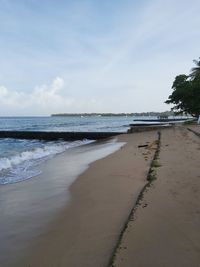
<point>165,113</point>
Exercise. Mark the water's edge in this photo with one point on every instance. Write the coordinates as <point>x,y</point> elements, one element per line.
<point>28,206</point>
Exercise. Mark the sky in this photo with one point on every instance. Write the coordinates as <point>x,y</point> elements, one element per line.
<point>94,55</point>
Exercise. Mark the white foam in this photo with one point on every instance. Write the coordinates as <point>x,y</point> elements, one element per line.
<point>38,153</point>
<point>17,168</point>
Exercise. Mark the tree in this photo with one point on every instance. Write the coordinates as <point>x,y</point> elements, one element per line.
<point>186,92</point>
<point>195,71</point>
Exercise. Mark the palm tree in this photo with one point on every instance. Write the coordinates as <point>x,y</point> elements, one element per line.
<point>195,72</point>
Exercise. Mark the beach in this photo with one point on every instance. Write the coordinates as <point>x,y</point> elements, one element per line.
<point>164,230</point>
<point>105,221</point>
<point>86,231</point>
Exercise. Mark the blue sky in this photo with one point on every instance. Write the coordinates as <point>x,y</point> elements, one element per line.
<point>94,55</point>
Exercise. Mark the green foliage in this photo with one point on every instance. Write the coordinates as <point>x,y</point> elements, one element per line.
<point>155,163</point>
<point>195,71</point>
<point>186,92</point>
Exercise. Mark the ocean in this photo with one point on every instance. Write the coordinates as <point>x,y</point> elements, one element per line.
<point>21,159</point>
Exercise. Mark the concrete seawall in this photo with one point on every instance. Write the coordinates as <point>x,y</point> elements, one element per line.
<point>68,136</point>
<point>136,129</point>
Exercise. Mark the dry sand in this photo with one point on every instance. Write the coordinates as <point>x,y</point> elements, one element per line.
<point>165,231</point>
<point>87,230</point>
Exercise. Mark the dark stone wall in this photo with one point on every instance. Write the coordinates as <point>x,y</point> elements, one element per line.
<point>68,136</point>
<point>138,129</point>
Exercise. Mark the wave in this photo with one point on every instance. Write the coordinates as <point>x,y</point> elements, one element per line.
<point>20,167</point>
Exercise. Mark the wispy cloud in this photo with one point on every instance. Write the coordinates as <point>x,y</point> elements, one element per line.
<point>111,55</point>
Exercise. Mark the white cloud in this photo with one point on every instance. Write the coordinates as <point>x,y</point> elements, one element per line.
<point>10,98</point>
<point>49,98</point>
<point>44,100</point>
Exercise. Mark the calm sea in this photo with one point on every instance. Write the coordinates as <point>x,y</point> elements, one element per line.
<point>21,159</point>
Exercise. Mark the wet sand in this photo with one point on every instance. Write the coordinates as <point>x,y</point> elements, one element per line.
<point>26,208</point>
<point>165,227</point>
<point>86,231</point>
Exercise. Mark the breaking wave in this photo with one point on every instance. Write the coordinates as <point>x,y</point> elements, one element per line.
<point>23,165</point>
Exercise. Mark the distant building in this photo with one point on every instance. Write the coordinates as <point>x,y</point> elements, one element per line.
<point>161,117</point>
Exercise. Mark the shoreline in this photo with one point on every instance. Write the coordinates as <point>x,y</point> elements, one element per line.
<point>29,206</point>
<point>86,231</point>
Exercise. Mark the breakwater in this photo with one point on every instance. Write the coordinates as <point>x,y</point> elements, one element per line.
<point>162,120</point>
<point>67,136</point>
<point>137,129</point>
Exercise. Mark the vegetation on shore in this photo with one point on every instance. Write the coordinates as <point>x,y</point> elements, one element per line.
<point>152,113</point>
<point>186,92</point>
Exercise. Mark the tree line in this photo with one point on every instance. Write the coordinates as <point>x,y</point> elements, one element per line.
<point>152,113</point>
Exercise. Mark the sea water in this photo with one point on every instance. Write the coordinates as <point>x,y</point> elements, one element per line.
<point>21,159</point>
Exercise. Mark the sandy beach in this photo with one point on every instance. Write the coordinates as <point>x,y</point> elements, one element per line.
<point>101,225</point>
<point>86,231</point>
<point>165,226</point>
